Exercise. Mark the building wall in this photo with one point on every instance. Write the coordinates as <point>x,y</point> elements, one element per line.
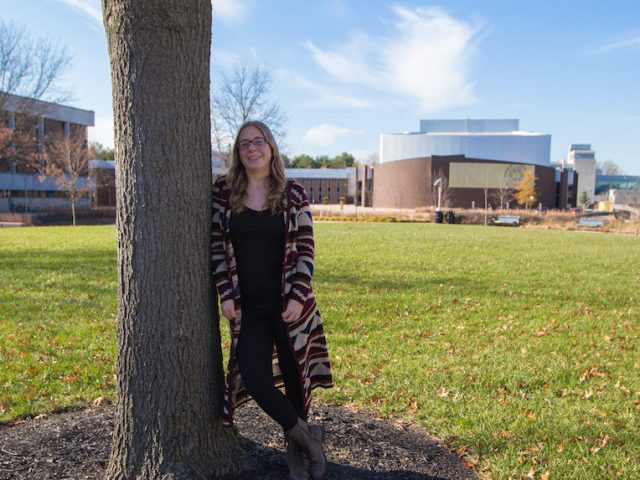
<point>604,183</point>
<point>409,183</point>
<point>325,185</point>
<point>624,197</point>
<point>521,148</point>
<point>38,204</point>
<point>497,139</point>
<point>325,190</point>
<point>403,183</point>
<point>18,179</point>
<point>583,160</point>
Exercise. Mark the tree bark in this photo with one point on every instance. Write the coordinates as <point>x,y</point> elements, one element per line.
<point>168,421</point>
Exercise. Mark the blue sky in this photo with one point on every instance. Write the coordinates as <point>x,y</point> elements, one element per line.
<point>345,71</point>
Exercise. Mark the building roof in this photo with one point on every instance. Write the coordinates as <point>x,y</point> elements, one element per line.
<point>469,125</point>
<point>320,172</point>
<point>53,111</point>
<point>105,164</point>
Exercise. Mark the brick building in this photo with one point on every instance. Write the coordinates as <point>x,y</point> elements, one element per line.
<point>409,183</point>
<point>21,188</point>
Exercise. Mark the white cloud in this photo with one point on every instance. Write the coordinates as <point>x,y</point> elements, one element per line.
<point>229,10</point>
<point>102,132</point>
<point>90,8</point>
<point>324,135</point>
<point>629,41</point>
<point>321,96</point>
<point>426,57</point>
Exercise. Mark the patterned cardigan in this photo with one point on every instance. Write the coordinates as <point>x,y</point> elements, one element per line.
<point>306,335</point>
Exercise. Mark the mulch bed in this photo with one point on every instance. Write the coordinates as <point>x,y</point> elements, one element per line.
<point>75,445</point>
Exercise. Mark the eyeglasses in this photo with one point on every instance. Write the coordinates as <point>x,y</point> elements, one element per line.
<point>258,142</point>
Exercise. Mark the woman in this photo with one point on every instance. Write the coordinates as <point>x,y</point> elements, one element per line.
<point>262,254</point>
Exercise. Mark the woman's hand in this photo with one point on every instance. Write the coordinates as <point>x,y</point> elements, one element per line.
<point>293,311</point>
<point>229,309</point>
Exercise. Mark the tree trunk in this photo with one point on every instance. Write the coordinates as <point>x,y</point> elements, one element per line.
<point>168,421</point>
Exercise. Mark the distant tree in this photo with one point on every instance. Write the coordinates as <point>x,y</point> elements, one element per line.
<point>322,161</point>
<point>609,167</point>
<point>343,160</point>
<point>243,95</point>
<point>30,68</point>
<point>19,146</point>
<point>525,190</point>
<point>302,161</point>
<point>286,161</point>
<point>501,196</point>
<point>66,161</point>
<point>100,152</point>
<point>584,199</point>
<point>373,159</point>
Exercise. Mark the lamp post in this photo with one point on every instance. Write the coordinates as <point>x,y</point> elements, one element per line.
<point>438,183</point>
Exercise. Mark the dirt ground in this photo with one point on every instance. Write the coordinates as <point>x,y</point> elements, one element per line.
<point>75,445</point>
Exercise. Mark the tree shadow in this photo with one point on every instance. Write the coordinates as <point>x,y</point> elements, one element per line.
<point>358,446</point>
<point>271,465</point>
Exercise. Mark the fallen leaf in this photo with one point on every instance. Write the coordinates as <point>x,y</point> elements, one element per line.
<point>603,444</point>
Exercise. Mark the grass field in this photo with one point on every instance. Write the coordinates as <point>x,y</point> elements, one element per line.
<point>518,348</point>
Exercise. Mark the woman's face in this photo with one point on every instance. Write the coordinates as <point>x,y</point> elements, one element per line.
<point>254,158</point>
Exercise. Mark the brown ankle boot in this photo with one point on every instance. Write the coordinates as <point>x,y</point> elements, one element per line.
<point>309,439</point>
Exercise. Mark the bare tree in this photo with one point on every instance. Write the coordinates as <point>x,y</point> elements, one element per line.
<point>30,68</point>
<point>168,420</point>
<point>609,167</point>
<point>501,196</point>
<point>66,161</point>
<point>101,152</point>
<point>373,159</point>
<point>20,145</point>
<point>240,96</point>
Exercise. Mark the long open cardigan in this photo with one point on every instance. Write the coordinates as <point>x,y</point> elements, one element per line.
<point>306,334</point>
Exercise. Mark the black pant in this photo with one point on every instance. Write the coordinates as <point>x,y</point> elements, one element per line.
<point>262,324</point>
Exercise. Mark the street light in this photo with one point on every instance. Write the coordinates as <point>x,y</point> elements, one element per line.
<point>438,183</point>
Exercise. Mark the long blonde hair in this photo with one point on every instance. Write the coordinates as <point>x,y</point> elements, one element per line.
<point>237,176</point>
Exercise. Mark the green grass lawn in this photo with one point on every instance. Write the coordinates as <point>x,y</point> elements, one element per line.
<point>518,348</point>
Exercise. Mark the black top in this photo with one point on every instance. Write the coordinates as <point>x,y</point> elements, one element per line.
<point>258,242</point>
